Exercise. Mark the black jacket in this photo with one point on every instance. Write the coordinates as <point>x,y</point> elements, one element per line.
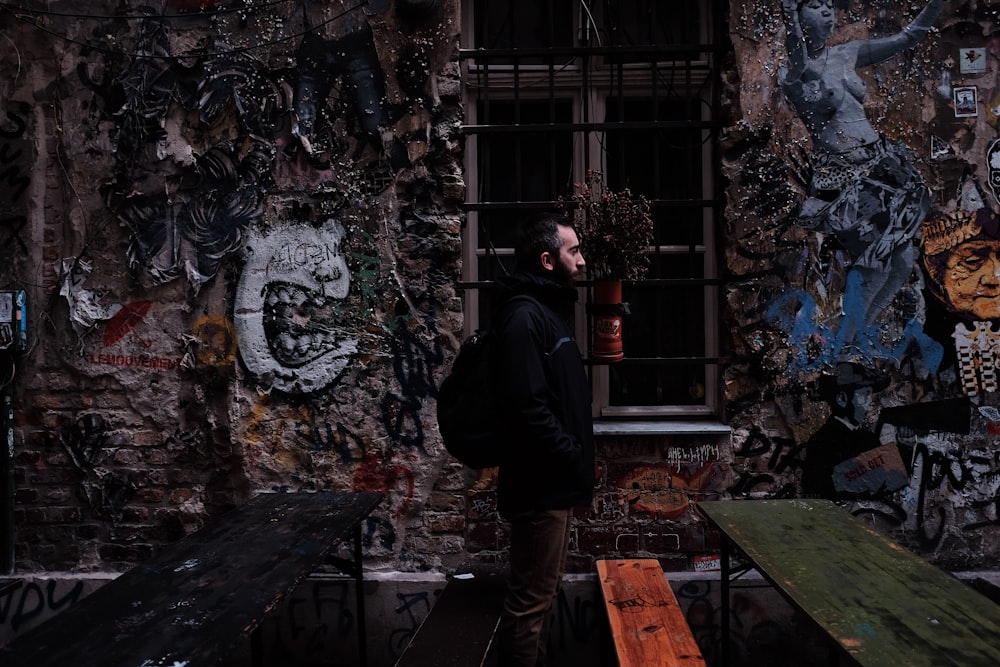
<point>544,397</point>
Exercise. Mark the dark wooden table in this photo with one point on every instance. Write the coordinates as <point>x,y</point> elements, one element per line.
<point>197,600</point>
<point>883,605</point>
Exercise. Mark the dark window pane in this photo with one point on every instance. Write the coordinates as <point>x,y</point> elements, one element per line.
<point>689,266</point>
<point>665,321</point>
<point>524,166</point>
<point>680,384</point>
<point>498,266</point>
<point>528,167</point>
<point>509,24</point>
<point>678,226</point>
<point>497,230</point>
<point>664,164</point>
<point>652,22</point>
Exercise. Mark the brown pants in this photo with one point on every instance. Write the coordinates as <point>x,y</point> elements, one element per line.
<point>538,545</point>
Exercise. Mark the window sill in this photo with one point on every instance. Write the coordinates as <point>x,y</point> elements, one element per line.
<point>662,427</point>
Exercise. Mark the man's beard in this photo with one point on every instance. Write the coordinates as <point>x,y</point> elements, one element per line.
<point>562,275</point>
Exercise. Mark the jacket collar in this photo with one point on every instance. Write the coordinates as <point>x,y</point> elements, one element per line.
<point>544,289</point>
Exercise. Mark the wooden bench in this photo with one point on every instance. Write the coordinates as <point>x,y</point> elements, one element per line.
<point>461,626</point>
<point>647,624</point>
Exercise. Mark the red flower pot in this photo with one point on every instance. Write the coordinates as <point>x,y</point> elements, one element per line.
<point>607,312</point>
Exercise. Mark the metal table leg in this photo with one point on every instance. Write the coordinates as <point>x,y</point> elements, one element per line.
<point>359,592</point>
<point>726,573</point>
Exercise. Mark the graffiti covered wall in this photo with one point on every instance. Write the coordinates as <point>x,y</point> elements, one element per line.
<point>239,233</point>
<point>239,230</point>
<point>864,283</point>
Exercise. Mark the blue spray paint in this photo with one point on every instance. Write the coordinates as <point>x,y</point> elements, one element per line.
<point>820,346</point>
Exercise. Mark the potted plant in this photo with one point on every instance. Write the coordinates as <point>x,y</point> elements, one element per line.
<point>615,231</point>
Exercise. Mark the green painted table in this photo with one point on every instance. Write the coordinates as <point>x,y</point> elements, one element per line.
<point>883,605</point>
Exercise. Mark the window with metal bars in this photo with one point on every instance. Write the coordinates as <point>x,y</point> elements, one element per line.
<point>628,88</point>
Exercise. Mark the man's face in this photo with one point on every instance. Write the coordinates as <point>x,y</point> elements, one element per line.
<point>972,279</point>
<point>862,402</point>
<point>569,263</point>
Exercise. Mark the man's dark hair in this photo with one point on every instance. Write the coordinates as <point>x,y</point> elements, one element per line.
<point>537,235</point>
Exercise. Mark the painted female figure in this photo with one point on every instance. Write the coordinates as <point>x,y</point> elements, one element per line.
<point>864,190</point>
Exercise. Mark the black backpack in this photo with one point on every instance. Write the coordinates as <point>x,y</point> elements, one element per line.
<point>466,409</point>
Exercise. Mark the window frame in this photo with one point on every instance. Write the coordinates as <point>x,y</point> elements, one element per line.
<point>589,88</point>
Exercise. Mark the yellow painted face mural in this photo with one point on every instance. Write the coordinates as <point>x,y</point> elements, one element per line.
<point>962,257</point>
<point>972,279</point>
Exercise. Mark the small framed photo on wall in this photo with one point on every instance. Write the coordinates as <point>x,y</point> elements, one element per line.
<point>972,61</point>
<point>966,103</point>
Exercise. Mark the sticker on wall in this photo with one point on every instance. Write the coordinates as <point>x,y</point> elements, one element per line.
<point>215,341</point>
<point>993,110</point>
<point>875,471</point>
<point>973,61</point>
<point>993,166</point>
<point>941,149</point>
<point>288,310</point>
<point>965,101</point>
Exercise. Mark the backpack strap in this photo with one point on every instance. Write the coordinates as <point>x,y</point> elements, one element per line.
<point>559,343</point>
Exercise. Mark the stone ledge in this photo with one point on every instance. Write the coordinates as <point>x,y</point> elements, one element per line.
<point>660,427</point>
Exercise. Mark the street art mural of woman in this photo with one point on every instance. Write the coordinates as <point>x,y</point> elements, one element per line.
<point>863,189</point>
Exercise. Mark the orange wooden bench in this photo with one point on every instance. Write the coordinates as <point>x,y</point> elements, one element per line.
<point>647,624</point>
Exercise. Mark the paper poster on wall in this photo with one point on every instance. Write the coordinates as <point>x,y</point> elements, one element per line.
<point>879,470</point>
<point>973,61</point>
<point>965,101</point>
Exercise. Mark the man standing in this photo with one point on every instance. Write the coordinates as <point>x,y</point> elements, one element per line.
<point>544,397</point>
